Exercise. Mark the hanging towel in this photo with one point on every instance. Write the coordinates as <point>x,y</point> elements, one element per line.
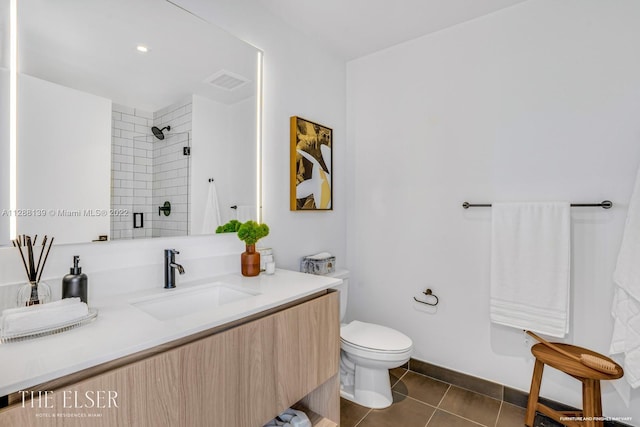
<point>245,213</point>
<point>626,302</point>
<point>530,266</point>
<point>211,211</point>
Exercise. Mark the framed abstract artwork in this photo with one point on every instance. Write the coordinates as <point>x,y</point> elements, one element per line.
<point>311,156</point>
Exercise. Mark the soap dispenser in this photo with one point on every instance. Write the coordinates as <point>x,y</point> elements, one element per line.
<point>74,284</point>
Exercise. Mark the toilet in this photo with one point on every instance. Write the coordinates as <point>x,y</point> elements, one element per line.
<point>367,352</point>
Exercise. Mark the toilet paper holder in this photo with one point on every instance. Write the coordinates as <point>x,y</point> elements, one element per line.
<point>428,293</point>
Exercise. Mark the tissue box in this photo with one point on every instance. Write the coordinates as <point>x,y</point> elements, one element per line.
<point>315,264</point>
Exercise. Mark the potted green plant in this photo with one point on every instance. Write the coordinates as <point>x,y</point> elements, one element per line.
<point>230,227</point>
<point>250,232</point>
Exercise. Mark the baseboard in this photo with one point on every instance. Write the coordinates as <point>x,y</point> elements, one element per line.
<point>459,379</point>
<point>495,390</point>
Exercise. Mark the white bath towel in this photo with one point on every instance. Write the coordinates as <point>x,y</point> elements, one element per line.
<point>625,341</point>
<point>24,319</point>
<point>530,266</point>
<point>626,303</point>
<point>245,213</point>
<point>211,211</point>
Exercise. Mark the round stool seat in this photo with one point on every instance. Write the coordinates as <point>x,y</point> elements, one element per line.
<point>591,413</point>
<point>557,360</point>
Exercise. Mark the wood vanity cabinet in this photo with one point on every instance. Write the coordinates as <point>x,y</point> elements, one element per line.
<point>242,376</point>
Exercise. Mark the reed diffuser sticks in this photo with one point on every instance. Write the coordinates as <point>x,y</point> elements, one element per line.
<point>34,270</point>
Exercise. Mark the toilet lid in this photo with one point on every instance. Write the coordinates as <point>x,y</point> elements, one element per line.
<point>375,337</point>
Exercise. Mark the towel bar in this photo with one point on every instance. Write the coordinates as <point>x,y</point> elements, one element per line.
<point>605,204</point>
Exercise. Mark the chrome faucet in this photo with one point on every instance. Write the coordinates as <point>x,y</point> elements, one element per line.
<point>169,268</point>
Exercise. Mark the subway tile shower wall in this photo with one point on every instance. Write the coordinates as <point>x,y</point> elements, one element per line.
<point>146,172</point>
<point>171,170</point>
<point>131,171</point>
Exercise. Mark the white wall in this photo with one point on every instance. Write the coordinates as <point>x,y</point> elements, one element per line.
<point>299,79</point>
<point>539,101</point>
<point>243,154</point>
<point>4,119</point>
<point>64,141</point>
<point>224,149</point>
<point>4,155</point>
<point>210,145</point>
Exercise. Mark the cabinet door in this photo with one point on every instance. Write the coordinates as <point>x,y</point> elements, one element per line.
<point>307,350</point>
<point>229,377</point>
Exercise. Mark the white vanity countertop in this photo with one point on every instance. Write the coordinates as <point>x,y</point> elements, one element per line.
<point>122,329</point>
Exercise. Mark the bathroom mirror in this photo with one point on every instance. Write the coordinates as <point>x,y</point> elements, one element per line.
<point>94,78</point>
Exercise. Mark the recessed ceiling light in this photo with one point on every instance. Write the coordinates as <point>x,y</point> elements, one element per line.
<point>142,48</point>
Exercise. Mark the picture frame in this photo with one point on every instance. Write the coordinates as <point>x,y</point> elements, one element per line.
<point>311,186</point>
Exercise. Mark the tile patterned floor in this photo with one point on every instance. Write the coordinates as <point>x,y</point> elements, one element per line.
<point>421,401</point>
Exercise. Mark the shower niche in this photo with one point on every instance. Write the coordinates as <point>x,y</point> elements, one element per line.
<point>113,124</point>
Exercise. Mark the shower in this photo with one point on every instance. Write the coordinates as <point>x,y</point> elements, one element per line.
<point>159,132</point>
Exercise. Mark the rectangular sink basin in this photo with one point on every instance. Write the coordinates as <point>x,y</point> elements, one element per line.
<point>178,302</point>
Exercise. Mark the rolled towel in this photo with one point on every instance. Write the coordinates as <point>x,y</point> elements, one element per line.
<point>285,416</point>
<point>320,256</point>
<point>290,418</point>
<point>300,420</point>
<point>34,317</point>
<point>295,418</point>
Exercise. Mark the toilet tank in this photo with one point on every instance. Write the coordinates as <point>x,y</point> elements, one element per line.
<point>344,290</point>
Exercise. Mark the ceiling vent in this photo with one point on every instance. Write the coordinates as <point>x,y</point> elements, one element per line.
<point>226,80</point>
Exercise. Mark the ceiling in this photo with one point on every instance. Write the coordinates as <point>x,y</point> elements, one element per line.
<point>354,28</point>
<point>91,46</point>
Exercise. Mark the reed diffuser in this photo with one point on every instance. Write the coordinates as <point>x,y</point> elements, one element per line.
<point>35,291</point>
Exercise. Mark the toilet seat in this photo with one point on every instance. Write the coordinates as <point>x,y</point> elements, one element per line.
<point>374,338</point>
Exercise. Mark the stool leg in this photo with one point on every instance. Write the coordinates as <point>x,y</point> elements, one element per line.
<point>534,392</point>
<point>598,397</point>
<point>592,403</point>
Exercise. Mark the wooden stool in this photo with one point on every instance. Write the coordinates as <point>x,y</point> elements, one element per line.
<point>590,378</point>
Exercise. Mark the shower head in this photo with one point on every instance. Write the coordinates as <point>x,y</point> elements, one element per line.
<point>159,132</point>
